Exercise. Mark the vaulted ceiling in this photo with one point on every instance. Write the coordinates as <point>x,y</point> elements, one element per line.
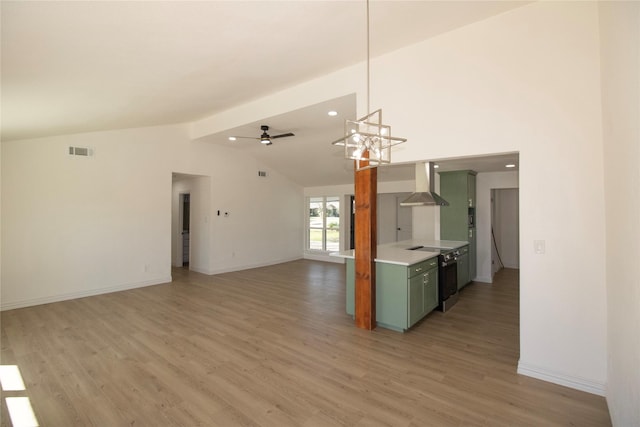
<point>70,67</point>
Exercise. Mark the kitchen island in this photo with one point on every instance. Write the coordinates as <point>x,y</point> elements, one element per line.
<point>406,281</point>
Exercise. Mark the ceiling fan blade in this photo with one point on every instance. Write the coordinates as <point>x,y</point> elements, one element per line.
<point>283,135</point>
<point>246,137</point>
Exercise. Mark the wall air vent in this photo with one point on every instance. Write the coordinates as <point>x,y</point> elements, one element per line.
<point>263,174</point>
<point>80,151</point>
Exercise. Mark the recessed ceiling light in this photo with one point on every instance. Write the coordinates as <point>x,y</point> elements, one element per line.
<point>332,113</point>
<point>436,166</point>
<point>510,165</point>
<point>232,138</point>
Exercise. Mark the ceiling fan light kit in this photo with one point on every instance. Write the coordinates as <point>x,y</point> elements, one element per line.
<point>265,138</point>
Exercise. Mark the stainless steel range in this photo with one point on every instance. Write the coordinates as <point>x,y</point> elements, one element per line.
<point>447,275</point>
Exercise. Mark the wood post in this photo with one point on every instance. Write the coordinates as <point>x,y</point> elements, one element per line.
<point>366,183</point>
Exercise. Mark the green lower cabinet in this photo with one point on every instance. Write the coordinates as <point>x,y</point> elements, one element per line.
<point>463,267</point>
<point>404,295</point>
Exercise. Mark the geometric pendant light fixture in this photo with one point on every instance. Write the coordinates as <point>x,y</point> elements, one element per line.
<point>367,140</point>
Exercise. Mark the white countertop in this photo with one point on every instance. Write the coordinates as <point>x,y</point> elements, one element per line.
<point>398,253</point>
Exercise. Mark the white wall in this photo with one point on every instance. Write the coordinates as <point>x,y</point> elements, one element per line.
<point>74,226</point>
<point>82,226</point>
<point>200,233</point>
<point>1,222</point>
<point>264,225</point>
<point>620,49</point>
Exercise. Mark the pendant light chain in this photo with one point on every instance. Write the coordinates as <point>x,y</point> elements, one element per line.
<point>368,66</point>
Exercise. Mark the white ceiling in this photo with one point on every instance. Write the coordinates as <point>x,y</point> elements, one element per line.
<point>79,66</point>
<point>309,159</point>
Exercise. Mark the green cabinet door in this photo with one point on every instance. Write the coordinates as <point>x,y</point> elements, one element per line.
<point>463,267</point>
<point>430,294</point>
<point>454,219</point>
<point>416,299</point>
<point>472,253</point>
<point>392,296</point>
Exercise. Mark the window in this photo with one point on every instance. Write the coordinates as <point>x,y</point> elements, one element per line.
<point>324,223</point>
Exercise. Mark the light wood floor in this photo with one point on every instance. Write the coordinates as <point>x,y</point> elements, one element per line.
<point>273,347</point>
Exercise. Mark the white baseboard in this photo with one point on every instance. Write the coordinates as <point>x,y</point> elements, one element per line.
<point>323,257</point>
<point>483,279</point>
<point>245,266</point>
<point>82,294</point>
<point>200,270</point>
<point>577,383</point>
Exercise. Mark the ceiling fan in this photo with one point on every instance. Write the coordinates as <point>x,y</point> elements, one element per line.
<point>265,138</point>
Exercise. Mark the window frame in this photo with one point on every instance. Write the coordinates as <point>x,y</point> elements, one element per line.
<point>324,201</point>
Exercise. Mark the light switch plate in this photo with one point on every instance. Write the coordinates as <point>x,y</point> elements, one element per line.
<point>539,246</point>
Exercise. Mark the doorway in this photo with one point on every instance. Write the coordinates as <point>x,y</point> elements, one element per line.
<point>505,226</point>
<point>185,219</point>
<point>404,220</point>
<point>190,218</point>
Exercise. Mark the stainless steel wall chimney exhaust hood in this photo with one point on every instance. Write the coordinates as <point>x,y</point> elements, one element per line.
<point>425,194</point>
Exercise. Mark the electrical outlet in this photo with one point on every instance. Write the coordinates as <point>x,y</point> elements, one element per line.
<point>539,246</point>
